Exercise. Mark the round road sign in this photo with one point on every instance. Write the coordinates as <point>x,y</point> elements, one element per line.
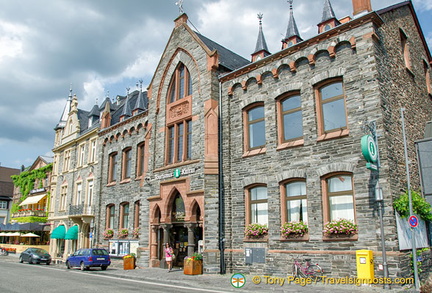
<point>413,221</point>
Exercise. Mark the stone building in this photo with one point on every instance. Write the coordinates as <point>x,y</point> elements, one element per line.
<point>218,142</point>
<point>6,192</point>
<point>292,126</point>
<point>73,204</point>
<point>123,163</point>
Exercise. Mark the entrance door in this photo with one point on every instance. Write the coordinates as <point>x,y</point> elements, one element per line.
<point>179,240</point>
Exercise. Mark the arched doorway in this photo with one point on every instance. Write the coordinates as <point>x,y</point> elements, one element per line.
<point>176,219</point>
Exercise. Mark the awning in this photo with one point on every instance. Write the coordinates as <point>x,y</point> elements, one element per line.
<point>29,235</point>
<point>72,233</point>
<point>32,199</point>
<point>59,232</point>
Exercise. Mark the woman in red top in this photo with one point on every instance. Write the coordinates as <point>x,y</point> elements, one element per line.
<point>168,256</point>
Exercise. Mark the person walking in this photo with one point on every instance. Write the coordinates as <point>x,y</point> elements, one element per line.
<point>169,256</point>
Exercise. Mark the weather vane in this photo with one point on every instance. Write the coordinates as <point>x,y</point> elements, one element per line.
<point>180,5</point>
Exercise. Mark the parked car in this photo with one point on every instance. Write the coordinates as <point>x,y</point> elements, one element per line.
<point>89,257</point>
<point>35,255</point>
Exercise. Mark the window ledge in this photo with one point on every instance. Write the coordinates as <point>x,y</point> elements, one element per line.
<point>305,237</point>
<point>290,144</point>
<point>112,183</point>
<point>334,134</point>
<point>340,237</point>
<point>255,152</point>
<point>262,239</point>
<point>126,180</point>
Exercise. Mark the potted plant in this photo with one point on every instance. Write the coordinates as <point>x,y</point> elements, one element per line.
<point>129,262</point>
<point>135,232</point>
<point>123,233</point>
<point>340,227</point>
<point>193,264</point>
<point>256,231</point>
<point>294,229</point>
<point>108,233</point>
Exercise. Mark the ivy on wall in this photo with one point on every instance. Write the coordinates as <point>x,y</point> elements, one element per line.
<point>31,219</point>
<point>25,181</point>
<point>420,206</point>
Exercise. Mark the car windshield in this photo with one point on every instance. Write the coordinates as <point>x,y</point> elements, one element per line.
<point>100,252</point>
<point>40,251</point>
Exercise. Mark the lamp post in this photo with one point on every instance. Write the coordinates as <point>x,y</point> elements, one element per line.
<point>371,153</point>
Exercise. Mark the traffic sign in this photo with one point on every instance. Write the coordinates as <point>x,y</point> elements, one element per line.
<point>413,221</point>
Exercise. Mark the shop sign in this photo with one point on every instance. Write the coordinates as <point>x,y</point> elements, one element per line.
<point>176,173</point>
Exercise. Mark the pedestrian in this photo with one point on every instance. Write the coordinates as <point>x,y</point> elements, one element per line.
<point>169,252</point>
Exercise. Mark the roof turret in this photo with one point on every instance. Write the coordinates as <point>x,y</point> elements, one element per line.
<point>329,19</point>
<point>292,35</point>
<point>66,110</point>
<point>261,49</point>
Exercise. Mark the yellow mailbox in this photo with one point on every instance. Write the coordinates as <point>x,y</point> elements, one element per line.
<point>365,264</point>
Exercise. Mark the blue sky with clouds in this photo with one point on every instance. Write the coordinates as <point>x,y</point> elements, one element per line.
<point>104,46</point>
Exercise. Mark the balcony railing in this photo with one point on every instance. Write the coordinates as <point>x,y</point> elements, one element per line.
<point>80,209</point>
<point>29,213</point>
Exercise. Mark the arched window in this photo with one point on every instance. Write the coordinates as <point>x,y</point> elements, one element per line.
<point>295,201</point>
<point>290,118</point>
<point>256,205</point>
<point>331,109</point>
<point>255,127</point>
<point>338,197</point>
<point>124,215</point>
<point>178,211</point>
<point>110,216</point>
<point>181,84</point>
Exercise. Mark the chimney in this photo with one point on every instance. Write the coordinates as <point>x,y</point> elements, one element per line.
<point>361,6</point>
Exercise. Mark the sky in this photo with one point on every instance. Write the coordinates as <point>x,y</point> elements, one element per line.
<point>99,48</point>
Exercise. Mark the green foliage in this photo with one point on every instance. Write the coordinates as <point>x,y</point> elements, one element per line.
<point>15,207</point>
<point>31,219</point>
<point>294,228</point>
<point>420,206</point>
<point>25,180</point>
<point>419,262</point>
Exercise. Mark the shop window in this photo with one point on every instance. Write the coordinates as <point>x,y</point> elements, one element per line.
<point>338,197</point>
<point>331,109</point>
<point>257,205</point>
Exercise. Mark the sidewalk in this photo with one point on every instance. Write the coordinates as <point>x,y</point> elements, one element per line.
<point>222,283</point>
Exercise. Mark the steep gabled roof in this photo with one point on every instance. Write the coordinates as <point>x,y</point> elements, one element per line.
<point>227,58</point>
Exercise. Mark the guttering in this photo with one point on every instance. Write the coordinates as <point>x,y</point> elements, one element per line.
<point>221,203</point>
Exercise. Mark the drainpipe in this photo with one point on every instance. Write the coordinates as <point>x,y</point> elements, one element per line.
<point>221,189</point>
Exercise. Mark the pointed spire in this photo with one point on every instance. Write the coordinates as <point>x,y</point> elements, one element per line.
<point>261,49</point>
<point>329,19</point>
<point>66,110</point>
<point>292,35</point>
<point>140,104</point>
<point>328,12</point>
<point>126,107</point>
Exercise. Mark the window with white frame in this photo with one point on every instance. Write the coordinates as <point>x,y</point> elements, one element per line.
<point>257,202</point>
<point>338,197</point>
<point>296,201</point>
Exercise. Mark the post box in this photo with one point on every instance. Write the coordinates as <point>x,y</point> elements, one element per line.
<point>365,264</point>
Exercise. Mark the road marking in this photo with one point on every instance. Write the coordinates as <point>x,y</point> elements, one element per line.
<point>128,280</point>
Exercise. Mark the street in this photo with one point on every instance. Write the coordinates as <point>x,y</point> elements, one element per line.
<point>23,278</point>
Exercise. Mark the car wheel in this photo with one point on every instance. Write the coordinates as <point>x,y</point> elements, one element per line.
<point>68,265</point>
<point>103,268</point>
<point>21,259</point>
<point>48,263</point>
<point>82,266</point>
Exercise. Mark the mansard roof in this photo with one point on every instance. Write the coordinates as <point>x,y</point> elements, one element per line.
<point>128,103</point>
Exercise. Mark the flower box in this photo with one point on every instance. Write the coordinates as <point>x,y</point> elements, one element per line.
<point>340,237</point>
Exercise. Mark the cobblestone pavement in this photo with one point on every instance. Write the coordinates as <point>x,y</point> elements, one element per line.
<point>222,283</point>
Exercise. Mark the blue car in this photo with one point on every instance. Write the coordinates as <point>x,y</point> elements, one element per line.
<point>89,257</point>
